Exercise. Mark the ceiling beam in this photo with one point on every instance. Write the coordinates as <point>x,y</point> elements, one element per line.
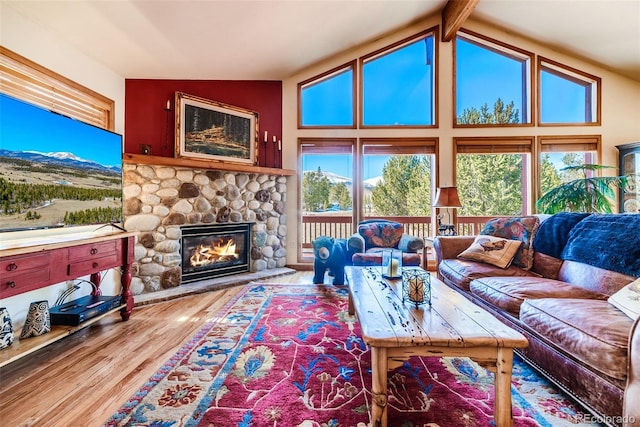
<point>454,14</point>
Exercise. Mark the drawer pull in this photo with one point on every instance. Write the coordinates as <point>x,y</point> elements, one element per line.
<point>93,251</point>
<point>95,264</point>
<point>11,267</point>
<point>11,284</point>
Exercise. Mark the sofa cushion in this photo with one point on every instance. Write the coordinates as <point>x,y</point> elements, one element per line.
<point>492,250</point>
<point>381,234</point>
<point>627,299</point>
<point>522,229</point>
<point>460,272</point>
<point>509,293</point>
<point>593,331</point>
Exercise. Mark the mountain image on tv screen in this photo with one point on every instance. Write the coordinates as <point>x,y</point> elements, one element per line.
<point>56,171</point>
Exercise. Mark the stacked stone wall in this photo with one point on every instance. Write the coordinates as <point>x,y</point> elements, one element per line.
<point>160,199</point>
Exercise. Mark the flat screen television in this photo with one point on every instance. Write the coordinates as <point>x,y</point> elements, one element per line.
<point>56,171</point>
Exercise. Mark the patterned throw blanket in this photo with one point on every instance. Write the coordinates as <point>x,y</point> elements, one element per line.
<point>607,241</point>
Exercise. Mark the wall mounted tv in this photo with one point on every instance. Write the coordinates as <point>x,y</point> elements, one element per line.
<point>56,171</point>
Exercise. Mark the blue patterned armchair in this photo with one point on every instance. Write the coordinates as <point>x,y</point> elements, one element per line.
<point>376,235</point>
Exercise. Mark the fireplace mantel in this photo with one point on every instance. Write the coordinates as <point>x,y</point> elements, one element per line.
<point>143,159</point>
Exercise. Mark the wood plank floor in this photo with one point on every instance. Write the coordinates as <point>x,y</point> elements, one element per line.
<point>82,380</point>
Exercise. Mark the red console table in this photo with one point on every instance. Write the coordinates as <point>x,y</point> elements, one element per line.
<point>34,267</point>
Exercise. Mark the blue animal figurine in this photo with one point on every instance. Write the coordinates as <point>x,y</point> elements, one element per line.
<point>329,254</point>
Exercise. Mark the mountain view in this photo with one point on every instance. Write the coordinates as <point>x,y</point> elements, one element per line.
<point>57,189</point>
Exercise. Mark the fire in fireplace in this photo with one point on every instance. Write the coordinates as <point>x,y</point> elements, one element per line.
<point>214,250</point>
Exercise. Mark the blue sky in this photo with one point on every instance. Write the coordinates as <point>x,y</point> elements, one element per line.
<point>482,77</point>
<point>24,127</point>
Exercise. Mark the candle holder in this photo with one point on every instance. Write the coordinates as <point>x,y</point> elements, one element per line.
<point>391,263</point>
<point>416,286</point>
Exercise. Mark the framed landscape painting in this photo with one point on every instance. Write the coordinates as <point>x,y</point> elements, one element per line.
<point>211,130</point>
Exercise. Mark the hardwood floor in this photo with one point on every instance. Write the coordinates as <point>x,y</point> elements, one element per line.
<point>82,380</point>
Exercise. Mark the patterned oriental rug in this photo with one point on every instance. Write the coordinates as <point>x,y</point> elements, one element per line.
<point>290,355</point>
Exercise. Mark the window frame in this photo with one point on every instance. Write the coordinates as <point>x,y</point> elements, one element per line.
<point>26,80</point>
<point>319,78</point>
<point>434,31</point>
<point>576,76</point>
<point>505,49</point>
<point>503,145</point>
<point>563,143</point>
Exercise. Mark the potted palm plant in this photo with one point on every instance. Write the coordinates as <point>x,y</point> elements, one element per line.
<point>586,194</point>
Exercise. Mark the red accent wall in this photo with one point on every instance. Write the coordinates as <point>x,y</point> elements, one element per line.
<point>147,122</point>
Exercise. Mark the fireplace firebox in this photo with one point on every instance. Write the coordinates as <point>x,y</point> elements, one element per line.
<point>214,250</point>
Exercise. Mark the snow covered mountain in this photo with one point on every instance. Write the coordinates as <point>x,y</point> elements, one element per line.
<point>62,159</point>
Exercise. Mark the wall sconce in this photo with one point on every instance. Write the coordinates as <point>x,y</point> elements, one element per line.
<point>447,197</point>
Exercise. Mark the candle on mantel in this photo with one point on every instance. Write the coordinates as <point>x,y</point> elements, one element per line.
<point>416,290</point>
<point>168,104</point>
<point>274,139</point>
<point>265,136</point>
<point>279,145</point>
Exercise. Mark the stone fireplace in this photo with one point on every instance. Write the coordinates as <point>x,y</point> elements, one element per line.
<point>162,201</point>
<point>214,250</point>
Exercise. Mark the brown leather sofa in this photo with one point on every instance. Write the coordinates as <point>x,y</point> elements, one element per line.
<point>577,339</point>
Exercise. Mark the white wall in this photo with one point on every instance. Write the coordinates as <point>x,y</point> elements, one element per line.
<point>31,41</point>
<point>620,109</point>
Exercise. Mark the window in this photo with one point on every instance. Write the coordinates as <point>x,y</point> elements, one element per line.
<point>328,100</point>
<point>326,190</point>
<point>492,82</point>
<point>398,83</point>
<point>567,96</point>
<point>559,152</point>
<point>28,81</point>
<point>492,175</point>
<point>397,177</point>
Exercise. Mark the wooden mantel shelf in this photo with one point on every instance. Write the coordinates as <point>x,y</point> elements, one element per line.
<point>143,159</point>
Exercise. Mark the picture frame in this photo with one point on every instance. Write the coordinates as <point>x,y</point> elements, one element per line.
<point>211,130</point>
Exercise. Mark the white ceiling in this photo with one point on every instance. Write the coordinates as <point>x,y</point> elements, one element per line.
<point>273,39</point>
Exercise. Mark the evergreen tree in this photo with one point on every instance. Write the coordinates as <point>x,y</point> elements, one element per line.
<point>340,195</point>
<point>315,191</point>
<point>404,188</point>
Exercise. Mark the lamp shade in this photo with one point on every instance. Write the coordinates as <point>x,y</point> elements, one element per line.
<point>447,197</point>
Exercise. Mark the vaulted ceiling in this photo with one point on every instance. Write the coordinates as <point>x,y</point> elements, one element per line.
<point>273,39</point>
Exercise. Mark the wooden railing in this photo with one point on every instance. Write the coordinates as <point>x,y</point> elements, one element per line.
<point>340,227</point>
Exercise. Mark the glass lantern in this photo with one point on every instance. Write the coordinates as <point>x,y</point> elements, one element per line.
<point>416,286</point>
<point>392,263</point>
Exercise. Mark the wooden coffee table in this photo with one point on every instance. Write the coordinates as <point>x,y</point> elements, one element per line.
<point>452,326</point>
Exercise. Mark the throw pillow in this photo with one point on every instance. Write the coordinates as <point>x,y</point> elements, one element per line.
<point>381,234</point>
<point>627,299</point>
<point>492,250</point>
<point>522,229</point>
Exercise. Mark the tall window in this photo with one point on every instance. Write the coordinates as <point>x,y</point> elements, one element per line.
<point>326,190</point>
<point>398,84</point>
<point>397,177</point>
<point>559,152</point>
<point>328,100</point>
<point>567,96</point>
<point>492,82</point>
<point>492,175</point>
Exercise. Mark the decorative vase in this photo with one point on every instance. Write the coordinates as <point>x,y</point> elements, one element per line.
<point>6,328</point>
<point>38,321</point>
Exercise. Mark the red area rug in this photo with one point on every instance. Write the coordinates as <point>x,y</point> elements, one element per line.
<point>290,355</point>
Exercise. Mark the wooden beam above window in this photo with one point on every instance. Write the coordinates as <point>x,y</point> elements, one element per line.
<point>454,14</point>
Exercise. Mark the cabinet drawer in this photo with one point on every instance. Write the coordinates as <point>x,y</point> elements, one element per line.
<point>23,282</point>
<point>93,265</point>
<point>91,251</point>
<point>17,266</point>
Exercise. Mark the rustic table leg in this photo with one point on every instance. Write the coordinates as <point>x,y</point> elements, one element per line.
<point>502,383</point>
<point>351,307</point>
<point>379,366</point>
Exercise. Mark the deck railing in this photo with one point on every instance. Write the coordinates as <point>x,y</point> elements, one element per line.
<point>340,227</point>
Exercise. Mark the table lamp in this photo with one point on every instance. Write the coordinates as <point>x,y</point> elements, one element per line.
<point>447,197</point>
